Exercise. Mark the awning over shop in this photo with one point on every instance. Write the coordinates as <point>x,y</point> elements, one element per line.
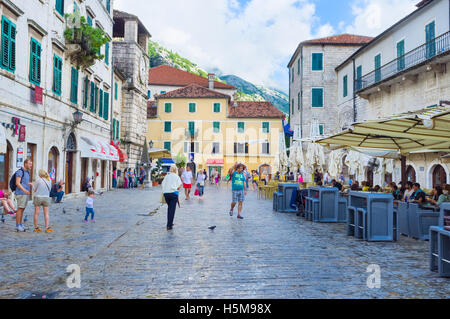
<point>428,129</point>
<point>167,161</point>
<point>123,157</point>
<point>109,151</point>
<point>215,162</point>
<point>3,146</point>
<point>89,148</point>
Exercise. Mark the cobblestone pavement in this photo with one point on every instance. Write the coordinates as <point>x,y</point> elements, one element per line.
<point>128,253</point>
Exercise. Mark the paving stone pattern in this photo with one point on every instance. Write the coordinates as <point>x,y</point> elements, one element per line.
<point>128,253</point>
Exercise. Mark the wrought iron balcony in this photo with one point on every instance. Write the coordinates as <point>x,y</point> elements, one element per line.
<point>438,46</point>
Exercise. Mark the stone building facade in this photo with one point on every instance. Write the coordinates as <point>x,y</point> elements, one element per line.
<point>41,89</point>
<point>313,85</point>
<point>130,51</point>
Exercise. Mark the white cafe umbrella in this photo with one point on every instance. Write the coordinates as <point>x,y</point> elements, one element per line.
<point>335,163</point>
<point>276,164</point>
<point>300,158</point>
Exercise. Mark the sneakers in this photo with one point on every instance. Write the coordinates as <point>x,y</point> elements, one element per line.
<point>37,230</point>
<point>231,213</point>
<point>85,221</point>
<point>48,230</point>
<point>20,228</point>
<point>240,217</point>
<point>11,213</point>
<point>93,221</point>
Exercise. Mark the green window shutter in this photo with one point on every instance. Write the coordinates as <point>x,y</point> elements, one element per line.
<point>8,45</point>
<point>86,92</point>
<point>298,66</point>
<point>106,106</point>
<point>321,129</point>
<point>216,127</point>
<point>117,130</point>
<point>192,128</point>
<point>317,97</point>
<point>114,129</point>
<point>167,146</point>
<point>317,61</point>
<point>74,86</point>
<point>60,7</point>
<point>107,53</point>
<point>266,127</point>
<point>100,103</point>
<point>57,74</point>
<point>35,62</point>
<point>12,52</point>
<point>115,91</point>
<point>96,98</point>
<point>89,20</point>
<point>377,63</point>
<point>168,107</point>
<point>359,77</point>
<point>92,108</point>
<point>345,83</point>
<point>108,6</point>
<point>216,107</point>
<point>167,127</point>
<point>430,32</point>
<point>241,127</point>
<point>192,107</point>
<point>400,57</point>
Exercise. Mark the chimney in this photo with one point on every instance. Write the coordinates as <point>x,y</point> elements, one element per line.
<point>211,77</point>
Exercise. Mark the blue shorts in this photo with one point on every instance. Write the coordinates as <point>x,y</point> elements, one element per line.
<point>238,196</point>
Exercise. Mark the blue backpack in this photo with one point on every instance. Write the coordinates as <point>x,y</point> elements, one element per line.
<point>12,181</point>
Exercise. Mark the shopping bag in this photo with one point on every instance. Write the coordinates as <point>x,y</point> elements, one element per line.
<point>197,192</point>
<point>162,199</point>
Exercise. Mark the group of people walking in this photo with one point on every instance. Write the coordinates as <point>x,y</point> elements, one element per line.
<point>131,178</point>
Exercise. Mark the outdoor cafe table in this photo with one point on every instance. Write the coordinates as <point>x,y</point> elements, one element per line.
<point>371,216</point>
<point>326,208</point>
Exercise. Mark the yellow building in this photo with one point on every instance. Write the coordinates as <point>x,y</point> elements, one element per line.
<point>216,131</point>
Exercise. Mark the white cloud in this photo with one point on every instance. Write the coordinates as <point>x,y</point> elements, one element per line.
<point>371,17</point>
<point>253,42</point>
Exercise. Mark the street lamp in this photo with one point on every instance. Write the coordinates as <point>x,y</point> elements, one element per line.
<point>77,117</point>
<point>150,144</point>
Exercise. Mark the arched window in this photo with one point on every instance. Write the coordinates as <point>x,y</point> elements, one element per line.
<point>411,174</point>
<point>71,143</point>
<point>439,176</point>
<point>52,167</point>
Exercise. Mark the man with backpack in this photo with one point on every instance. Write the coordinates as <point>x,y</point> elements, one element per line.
<point>21,185</point>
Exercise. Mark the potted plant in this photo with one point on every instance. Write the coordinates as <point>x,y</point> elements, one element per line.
<point>180,162</point>
<point>157,177</point>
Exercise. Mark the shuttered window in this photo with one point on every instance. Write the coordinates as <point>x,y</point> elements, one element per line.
<point>321,129</point>
<point>192,107</point>
<point>115,91</point>
<point>35,62</point>
<point>216,107</point>
<point>107,53</point>
<point>57,74</point>
<point>317,61</point>
<point>430,34</point>
<point>265,148</point>
<point>359,78</point>
<point>60,7</point>
<point>168,146</point>
<point>86,92</point>
<point>400,55</point>
<point>265,127</point>
<point>345,85</point>
<point>168,107</point>
<point>106,106</point>
<point>89,20</point>
<point>192,128</point>
<point>241,127</point>
<point>93,108</point>
<point>117,129</point>
<point>377,63</point>
<point>108,6</point>
<point>241,148</point>
<point>114,129</point>
<point>317,97</point>
<point>74,86</point>
<point>100,103</point>
<point>8,43</point>
<point>216,127</point>
<point>167,127</point>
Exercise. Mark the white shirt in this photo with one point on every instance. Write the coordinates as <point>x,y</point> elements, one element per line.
<point>187,177</point>
<point>42,188</point>
<point>171,183</point>
<point>89,202</point>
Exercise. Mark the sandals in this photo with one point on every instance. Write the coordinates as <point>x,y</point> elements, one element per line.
<point>37,230</point>
<point>49,230</point>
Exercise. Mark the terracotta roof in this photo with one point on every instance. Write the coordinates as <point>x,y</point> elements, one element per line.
<point>151,109</point>
<point>341,39</point>
<point>245,109</point>
<point>193,91</point>
<point>167,75</point>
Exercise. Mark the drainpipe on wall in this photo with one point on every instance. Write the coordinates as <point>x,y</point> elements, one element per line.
<point>354,92</point>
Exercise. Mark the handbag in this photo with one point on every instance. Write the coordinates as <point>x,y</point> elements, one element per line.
<point>162,200</point>
<point>197,192</point>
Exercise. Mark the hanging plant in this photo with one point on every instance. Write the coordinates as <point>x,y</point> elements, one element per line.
<point>86,41</point>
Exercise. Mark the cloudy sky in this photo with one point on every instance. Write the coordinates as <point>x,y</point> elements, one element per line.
<point>255,39</point>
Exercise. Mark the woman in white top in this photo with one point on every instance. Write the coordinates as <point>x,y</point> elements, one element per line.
<point>41,197</point>
<point>170,187</point>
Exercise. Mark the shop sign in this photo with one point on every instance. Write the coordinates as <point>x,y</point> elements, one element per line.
<point>19,161</point>
<point>38,95</point>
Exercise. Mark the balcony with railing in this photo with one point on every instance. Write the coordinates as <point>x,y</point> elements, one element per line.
<point>440,46</point>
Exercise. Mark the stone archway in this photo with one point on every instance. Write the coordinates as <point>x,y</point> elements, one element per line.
<point>438,176</point>
<point>5,165</point>
<point>52,163</point>
<point>411,174</point>
<point>71,148</point>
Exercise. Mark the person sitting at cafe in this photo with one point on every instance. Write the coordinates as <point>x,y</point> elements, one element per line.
<point>419,195</point>
<point>57,191</point>
<point>395,192</point>
<point>365,186</point>
<point>438,197</point>
<point>376,189</point>
<point>277,176</point>
<point>336,184</point>
<point>355,186</point>
<point>409,192</point>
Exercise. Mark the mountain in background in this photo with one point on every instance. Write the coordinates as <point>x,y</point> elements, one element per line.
<point>246,90</point>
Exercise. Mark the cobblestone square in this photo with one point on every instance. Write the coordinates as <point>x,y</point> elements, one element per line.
<point>128,253</point>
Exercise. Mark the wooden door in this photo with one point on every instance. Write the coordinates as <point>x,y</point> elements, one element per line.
<point>411,174</point>
<point>84,165</point>
<point>69,172</point>
<point>4,169</point>
<point>31,154</point>
<point>439,176</point>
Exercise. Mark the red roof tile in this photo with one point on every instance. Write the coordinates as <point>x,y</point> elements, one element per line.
<point>245,109</point>
<point>193,91</point>
<point>167,75</point>
<point>341,39</point>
